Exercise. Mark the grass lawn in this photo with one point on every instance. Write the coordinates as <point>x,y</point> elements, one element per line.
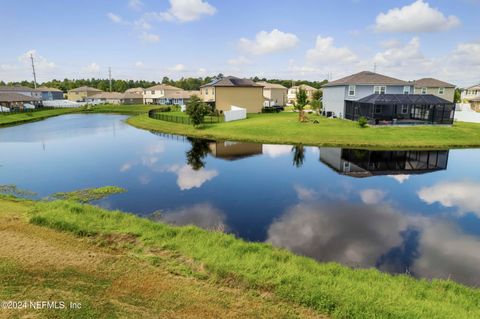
<point>114,275</point>
<point>20,118</point>
<point>284,128</point>
<point>121,265</point>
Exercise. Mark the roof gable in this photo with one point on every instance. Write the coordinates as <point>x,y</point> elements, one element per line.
<point>431,82</point>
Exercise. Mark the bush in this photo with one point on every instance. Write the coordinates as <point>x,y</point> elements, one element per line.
<point>362,122</point>
<point>197,110</point>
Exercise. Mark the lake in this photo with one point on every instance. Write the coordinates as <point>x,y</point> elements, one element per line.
<point>415,212</point>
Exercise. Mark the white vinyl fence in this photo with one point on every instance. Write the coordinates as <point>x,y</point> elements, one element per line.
<point>236,113</point>
<point>464,113</point>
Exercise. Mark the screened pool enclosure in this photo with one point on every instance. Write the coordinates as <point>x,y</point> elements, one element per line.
<point>401,109</point>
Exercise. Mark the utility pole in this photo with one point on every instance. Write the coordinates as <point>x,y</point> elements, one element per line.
<point>34,75</point>
<point>375,67</point>
<point>110,77</point>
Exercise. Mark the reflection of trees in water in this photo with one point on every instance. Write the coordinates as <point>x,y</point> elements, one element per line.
<point>298,155</point>
<point>195,156</point>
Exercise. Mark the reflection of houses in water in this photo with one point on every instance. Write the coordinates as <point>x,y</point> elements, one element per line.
<point>234,150</point>
<point>364,163</point>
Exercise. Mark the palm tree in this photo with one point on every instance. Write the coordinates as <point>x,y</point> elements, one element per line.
<point>298,155</point>
<point>300,103</point>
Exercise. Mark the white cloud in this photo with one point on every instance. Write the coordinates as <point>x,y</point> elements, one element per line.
<point>115,18</point>
<point>416,17</point>
<point>462,195</point>
<point>305,193</point>
<point>149,37</point>
<point>188,178</point>
<point>269,42</point>
<point>241,60</point>
<point>201,71</point>
<point>325,52</point>
<point>135,4</point>
<point>372,196</point>
<point>187,10</point>
<point>92,68</point>
<point>41,62</point>
<point>400,178</point>
<point>139,64</point>
<point>177,68</point>
<point>274,151</point>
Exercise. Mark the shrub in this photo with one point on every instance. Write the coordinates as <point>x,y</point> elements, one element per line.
<point>197,110</point>
<point>362,122</point>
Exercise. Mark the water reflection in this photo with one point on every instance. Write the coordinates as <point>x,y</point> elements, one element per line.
<point>364,163</point>
<point>427,225</point>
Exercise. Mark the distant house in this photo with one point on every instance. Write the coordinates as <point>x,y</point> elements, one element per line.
<point>21,90</point>
<point>232,91</point>
<point>435,87</point>
<point>155,94</point>
<point>274,94</point>
<point>13,101</point>
<point>50,94</point>
<point>81,93</point>
<point>472,95</point>
<point>177,97</point>
<point>116,98</point>
<point>135,90</point>
<point>384,100</point>
<point>292,92</point>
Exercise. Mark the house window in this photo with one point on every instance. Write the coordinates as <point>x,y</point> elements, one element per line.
<point>152,92</point>
<point>404,109</point>
<point>441,91</point>
<point>379,89</point>
<point>351,90</point>
<point>406,89</point>
<point>424,90</point>
<point>378,109</point>
<point>206,91</point>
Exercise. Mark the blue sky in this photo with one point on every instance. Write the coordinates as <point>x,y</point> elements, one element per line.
<point>304,39</point>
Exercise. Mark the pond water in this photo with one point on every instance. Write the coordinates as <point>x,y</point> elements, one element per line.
<point>415,212</point>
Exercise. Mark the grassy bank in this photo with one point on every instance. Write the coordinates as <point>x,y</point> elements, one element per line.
<point>21,118</point>
<point>284,128</point>
<point>112,275</point>
<point>213,258</point>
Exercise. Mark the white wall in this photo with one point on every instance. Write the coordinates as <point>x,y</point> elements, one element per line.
<point>236,113</point>
<point>334,99</point>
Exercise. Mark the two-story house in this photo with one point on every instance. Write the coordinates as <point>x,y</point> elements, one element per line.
<point>232,91</point>
<point>82,93</point>
<point>156,94</point>
<point>472,95</point>
<point>292,92</point>
<point>274,94</point>
<point>435,87</point>
<point>18,89</point>
<point>384,100</point>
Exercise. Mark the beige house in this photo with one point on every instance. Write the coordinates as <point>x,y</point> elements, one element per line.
<point>472,95</point>
<point>232,91</point>
<point>274,94</point>
<point>116,98</point>
<point>81,93</point>
<point>475,104</point>
<point>435,87</point>
<point>154,94</point>
<point>135,90</point>
<point>292,92</point>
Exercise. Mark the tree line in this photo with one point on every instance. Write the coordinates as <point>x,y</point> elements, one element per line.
<point>189,83</point>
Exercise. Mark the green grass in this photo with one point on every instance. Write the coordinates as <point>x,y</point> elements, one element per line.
<point>21,118</point>
<point>327,288</point>
<point>89,194</point>
<point>284,128</point>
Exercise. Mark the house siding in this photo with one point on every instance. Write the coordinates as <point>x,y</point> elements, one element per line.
<point>250,98</point>
<point>448,94</point>
<point>279,96</point>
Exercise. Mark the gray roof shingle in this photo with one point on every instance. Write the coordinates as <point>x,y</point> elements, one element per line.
<point>367,78</point>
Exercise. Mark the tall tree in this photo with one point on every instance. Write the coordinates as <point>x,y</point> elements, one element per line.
<point>196,110</point>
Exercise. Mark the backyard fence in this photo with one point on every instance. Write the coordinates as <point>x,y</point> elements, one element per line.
<point>164,116</point>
